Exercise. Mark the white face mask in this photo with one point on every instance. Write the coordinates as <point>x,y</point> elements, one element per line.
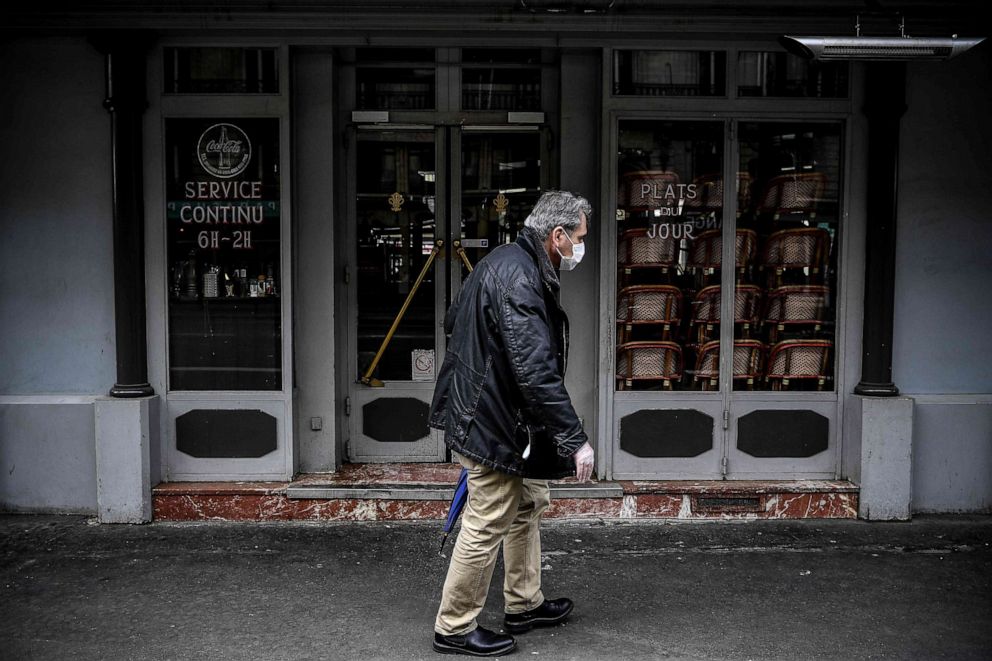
<point>569,262</point>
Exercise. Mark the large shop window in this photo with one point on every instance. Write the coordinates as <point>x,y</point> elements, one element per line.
<point>670,197</point>
<point>670,299</point>
<point>223,225</point>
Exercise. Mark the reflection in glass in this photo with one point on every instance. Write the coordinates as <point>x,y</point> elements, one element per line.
<point>395,89</point>
<point>225,313</point>
<point>395,79</point>
<point>501,181</point>
<point>793,194</point>
<point>669,73</point>
<point>669,219</point>
<point>395,235</point>
<point>787,75</point>
<point>501,79</point>
<point>215,70</point>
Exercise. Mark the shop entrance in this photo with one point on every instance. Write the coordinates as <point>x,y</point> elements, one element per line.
<point>424,203</point>
<point>723,309</point>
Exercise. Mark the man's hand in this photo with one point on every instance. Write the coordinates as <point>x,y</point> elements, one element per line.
<point>584,462</point>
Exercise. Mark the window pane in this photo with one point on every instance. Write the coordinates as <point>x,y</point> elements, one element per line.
<point>396,229</point>
<point>223,220</point>
<point>221,71</point>
<point>501,79</point>
<point>501,89</point>
<point>501,181</point>
<point>511,56</point>
<point>669,206</point>
<point>786,256</point>
<point>784,74</point>
<point>395,79</point>
<point>669,73</point>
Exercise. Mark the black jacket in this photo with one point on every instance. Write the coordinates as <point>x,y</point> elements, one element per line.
<point>502,381</point>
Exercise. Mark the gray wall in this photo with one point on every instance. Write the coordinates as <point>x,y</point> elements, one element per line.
<point>579,158</point>
<point>313,259</point>
<point>56,252</point>
<point>943,308</point>
<point>56,263</point>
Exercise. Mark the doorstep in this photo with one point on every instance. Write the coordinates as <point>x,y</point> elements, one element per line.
<point>377,492</point>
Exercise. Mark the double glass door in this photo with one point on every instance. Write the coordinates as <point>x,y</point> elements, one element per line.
<point>725,299</point>
<point>425,204</point>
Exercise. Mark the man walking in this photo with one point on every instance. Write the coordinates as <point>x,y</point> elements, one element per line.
<point>501,399</point>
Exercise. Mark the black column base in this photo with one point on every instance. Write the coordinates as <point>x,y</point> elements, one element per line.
<point>876,389</point>
<point>131,390</point>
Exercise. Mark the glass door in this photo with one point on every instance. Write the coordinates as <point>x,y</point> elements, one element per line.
<point>412,255</point>
<point>668,405</point>
<point>783,402</point>
<point>396,280</point>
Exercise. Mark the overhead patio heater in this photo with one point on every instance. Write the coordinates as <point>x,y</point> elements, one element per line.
<point>878,48</point>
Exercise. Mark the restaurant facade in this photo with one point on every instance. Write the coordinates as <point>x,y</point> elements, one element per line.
<point>230,235</point>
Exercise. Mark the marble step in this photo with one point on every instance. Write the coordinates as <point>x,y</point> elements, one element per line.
<point>407,491</point>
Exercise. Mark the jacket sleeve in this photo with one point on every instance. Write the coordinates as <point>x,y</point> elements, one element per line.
<point>527,338</point>
<point>452,314</point>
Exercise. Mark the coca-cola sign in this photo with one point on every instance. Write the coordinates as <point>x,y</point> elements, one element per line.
<point>224,150</point>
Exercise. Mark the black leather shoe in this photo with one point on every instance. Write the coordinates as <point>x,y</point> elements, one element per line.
<point>548,614</point>
<point>478,642</point>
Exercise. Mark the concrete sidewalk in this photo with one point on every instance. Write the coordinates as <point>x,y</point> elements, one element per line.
<point>72,589</point>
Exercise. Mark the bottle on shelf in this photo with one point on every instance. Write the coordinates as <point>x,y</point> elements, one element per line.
<point>211,284</point>
<point>270,281</point>
<point>190,289</point>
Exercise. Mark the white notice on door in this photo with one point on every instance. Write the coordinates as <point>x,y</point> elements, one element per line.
<point>423,364</point>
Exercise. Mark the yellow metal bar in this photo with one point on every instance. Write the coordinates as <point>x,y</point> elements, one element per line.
<point>367,378</point>
<point>461,253</point>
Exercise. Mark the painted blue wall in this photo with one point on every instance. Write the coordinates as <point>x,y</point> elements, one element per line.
<point>56,227</point>
<point>48,454</point>
<point>56,269</point>
<point>943,306</point>
<point>942,352</point>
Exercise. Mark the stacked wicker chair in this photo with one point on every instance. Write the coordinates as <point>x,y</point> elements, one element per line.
<point>668,311</point>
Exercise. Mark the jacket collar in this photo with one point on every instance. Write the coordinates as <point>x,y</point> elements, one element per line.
<point>532,244</point>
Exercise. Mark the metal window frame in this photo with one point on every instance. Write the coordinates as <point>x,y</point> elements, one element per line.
<point>279,464</point>
<point>732,110</point>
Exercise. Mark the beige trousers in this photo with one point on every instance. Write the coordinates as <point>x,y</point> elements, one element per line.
<point>503,509</point>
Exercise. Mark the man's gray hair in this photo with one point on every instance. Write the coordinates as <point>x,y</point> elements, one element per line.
<point>556,208</point>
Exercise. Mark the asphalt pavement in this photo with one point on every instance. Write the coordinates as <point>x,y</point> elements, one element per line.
<point>790,590</point>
